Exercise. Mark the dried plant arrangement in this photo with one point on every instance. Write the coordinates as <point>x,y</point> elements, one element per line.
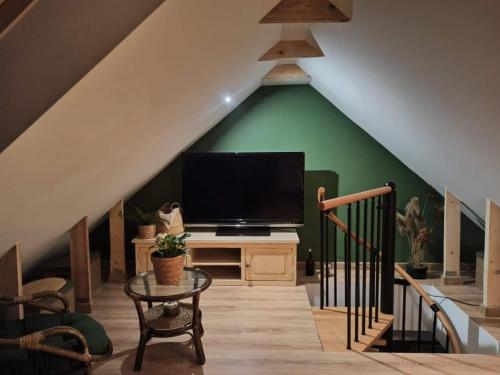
<point>411,223</point>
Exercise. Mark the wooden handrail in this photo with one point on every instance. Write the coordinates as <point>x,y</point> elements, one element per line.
<point>334,219</point>
<point>452,334</point>
<point>329,204</point>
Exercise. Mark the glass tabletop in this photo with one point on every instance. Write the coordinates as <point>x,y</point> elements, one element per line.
<point>145,286</point>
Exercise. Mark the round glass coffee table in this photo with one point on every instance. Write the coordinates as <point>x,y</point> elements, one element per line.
<point>158,320</point>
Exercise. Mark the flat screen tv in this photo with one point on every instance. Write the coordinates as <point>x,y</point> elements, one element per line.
<point>244,189</point>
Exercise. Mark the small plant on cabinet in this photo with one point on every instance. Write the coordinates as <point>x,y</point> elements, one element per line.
<point>146,222</point>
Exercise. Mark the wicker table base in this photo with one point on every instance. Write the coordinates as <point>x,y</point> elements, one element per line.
<point>154,323</point>
<point>155,318</point>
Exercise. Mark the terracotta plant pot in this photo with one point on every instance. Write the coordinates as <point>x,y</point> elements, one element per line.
<point>147,231</point>
<point>167,270</point>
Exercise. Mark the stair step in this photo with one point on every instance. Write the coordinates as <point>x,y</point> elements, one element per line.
<point>331,323</point>
<point>380,342</point>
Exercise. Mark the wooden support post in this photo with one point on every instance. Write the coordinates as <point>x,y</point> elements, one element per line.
<point>451,245</point>
<point>286,74</point>
<point>305,11</point>
<point>117,271</point>
<point>291,49</point>
<point>491,281</point>
<point>80,265</point>
<point>12,279</point>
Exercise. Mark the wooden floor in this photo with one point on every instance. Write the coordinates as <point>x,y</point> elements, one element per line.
<point>257,330</point>
<point>263,319</point>
<point>332,329</point>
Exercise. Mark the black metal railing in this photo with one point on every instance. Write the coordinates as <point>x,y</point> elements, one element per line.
<point>428,304</point>
<point>374,266</point>
<point>377,221</point>
<point>404,344</point>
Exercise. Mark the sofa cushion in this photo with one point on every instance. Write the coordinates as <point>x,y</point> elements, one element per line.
<point>25,362</point>
<point>94,333</point>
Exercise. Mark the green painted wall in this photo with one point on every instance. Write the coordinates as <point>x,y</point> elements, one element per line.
<point>339,155</point>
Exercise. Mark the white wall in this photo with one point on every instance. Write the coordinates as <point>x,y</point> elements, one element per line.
<point>159,90</point>
<point>423,78</point>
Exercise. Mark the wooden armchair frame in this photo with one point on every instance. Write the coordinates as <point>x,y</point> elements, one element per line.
<point>34,341</point>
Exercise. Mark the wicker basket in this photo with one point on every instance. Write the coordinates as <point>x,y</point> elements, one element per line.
<point>168,270</point>
<point>171,217</point>
<point>164,214</point>
<point>147,231</point>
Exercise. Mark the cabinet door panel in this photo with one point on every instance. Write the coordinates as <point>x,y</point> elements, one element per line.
<point>269,264</point>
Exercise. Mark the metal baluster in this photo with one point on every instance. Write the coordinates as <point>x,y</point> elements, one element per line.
<point>356,288</point>
<point>434,321</point>
<point>419,332</point>
<point>348,276</point>
<point>321,268</point>
<point>377,257</point>
<point>372,264</point>
<point>335,265</point>
<point>403,332</point>
<point>365,237</point>
<point>387,261</point>
<point>345,270</point>
<point>327,269</point>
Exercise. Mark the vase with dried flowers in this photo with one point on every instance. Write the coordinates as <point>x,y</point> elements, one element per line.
<point>412,224</point>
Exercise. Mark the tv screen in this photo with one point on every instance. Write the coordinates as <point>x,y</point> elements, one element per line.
<point>246,189</point>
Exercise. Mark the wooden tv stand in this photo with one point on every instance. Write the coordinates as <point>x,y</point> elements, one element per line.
<point>236,260</point>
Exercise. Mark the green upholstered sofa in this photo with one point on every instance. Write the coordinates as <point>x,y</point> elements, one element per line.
<point>57,343</point>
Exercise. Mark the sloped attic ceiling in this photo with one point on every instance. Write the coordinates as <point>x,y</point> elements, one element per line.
<point>153,95</point>
<point>50,46</point>
<point>423,78</point>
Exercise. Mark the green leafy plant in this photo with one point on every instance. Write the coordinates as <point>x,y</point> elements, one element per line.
<point>411,222</point>
<point>143,218</point>
<point>170,246</point>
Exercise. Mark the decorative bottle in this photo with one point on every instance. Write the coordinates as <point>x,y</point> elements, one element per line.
<point>310,267</point>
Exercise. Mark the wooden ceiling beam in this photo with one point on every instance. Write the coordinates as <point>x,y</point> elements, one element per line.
<point>286,74</point>
<point>305,11</point>
<point>291,49</point>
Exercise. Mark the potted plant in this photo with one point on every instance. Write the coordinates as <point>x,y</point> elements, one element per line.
<point>411,223</point>
<point>146,222</point>
<point>168,259</point>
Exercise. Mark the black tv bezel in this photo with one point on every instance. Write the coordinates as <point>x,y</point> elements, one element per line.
<point>242,223</point>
